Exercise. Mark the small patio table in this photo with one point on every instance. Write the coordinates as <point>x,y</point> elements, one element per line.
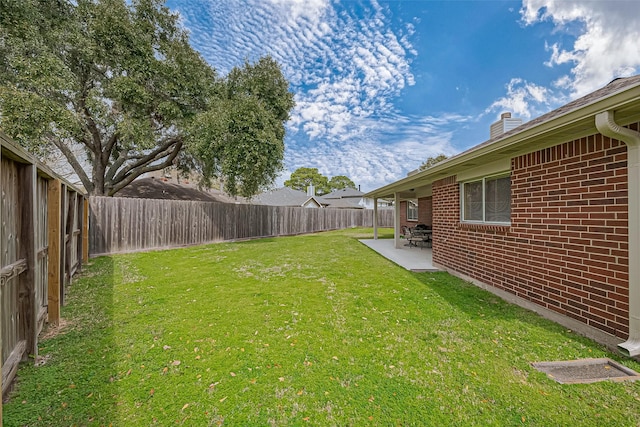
<point>422,236</point>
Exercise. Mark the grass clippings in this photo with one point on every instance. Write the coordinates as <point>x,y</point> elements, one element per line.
<point>307,330</point>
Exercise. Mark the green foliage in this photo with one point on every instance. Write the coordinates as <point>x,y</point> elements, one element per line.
<point>340,182</point>
<point>308,330</point>
<point>119,80</point>
<point>301,178</point>
<point>432,161</point>
<point>240,139</point>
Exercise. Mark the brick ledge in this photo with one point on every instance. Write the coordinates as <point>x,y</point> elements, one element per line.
<point>484,227</point>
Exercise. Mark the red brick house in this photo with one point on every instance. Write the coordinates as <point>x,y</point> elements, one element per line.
<point>546,215</point>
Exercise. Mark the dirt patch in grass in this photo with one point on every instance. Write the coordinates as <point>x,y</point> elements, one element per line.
<point>55,330</point>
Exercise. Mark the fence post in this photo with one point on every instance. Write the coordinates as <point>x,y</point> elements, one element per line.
<point>64,208</point>
<point>27,291</point>
<point>85,233</point>
<point>53,215</point>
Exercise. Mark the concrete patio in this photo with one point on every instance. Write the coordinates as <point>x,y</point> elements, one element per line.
<point>412,258</point>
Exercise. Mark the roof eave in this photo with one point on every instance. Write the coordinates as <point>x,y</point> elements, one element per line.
<point>581,120</point>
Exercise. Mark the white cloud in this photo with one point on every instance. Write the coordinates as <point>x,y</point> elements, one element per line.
<point>307,9</point>
<point>607,44</point>
<point>332,55</point>
<point>369,161</point>
<point>347,63</point>
<point>525,99</point>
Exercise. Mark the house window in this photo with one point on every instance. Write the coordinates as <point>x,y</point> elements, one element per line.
<point>412,210</point>
<point>487,200</point>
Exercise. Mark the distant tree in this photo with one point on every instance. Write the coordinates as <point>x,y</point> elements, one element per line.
<point>340,182</point>
<point>432,161</point>
<point>119,80</point>
<point>302,178</point>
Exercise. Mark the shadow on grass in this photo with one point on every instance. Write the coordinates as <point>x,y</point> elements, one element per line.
<point>482,306</point>
<point>73,379</point>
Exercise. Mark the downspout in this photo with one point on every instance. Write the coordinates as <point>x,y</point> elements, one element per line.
<point>606,125</point>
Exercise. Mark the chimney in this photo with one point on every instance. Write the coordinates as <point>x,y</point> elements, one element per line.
<point>505,124</point>
<point>311,191</point>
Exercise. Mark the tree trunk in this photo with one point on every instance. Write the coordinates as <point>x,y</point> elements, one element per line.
<point>98,178</point>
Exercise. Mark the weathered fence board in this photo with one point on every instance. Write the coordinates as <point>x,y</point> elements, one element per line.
<point>42,252</point>
<point>128,225</point>
<point>27,250</point>
<point>27,260</point>
<point>9,260</point>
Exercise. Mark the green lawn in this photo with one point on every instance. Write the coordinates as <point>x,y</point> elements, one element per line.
<point>307,330</point>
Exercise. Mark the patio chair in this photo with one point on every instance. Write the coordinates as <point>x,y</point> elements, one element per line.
<point>411,237</point>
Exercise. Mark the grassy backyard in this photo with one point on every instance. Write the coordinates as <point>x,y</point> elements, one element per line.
<point>307,330</point>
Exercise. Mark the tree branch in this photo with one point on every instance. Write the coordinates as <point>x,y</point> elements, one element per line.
<point>86,134</point>
<point>125,178</point>
<point>73,161</point>
<point>115,166</point>
<point>157,153</point>
<point>92,127</point>
<point>111,143</point>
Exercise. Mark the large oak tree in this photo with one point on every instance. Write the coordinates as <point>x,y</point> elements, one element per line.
<point>120,80</point>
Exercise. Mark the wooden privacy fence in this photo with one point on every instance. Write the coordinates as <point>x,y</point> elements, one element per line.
<point>129,225</point>
<point>43,231</point>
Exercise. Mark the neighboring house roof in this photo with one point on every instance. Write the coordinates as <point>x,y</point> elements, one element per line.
<point>348,203</point>
<point>154,188</point>
<point>344,194</point>
<point>347,198</point>
<point>571,121</point>
<point>286,196</point>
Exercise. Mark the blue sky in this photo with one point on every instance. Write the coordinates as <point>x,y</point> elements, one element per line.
<point>380,86</point>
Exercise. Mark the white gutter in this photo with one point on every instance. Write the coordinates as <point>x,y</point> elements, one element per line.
<point>607,126</point>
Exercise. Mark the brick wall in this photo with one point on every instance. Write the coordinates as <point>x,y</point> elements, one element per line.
<point>566,248</point>
<point>403,215</point>
<point>424,213</point>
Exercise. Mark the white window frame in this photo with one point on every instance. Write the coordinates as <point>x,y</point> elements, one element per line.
<point>484,210</point>
<point>412,206</point>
